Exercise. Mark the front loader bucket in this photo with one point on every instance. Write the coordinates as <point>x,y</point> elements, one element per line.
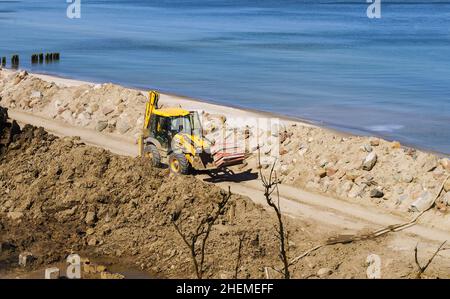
<point>227,155</point>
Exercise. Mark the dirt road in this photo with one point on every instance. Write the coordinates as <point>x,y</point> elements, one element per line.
<point>343,217</point>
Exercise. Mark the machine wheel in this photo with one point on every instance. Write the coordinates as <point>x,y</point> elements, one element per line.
<point>150,151</point>
<point>178,164</point>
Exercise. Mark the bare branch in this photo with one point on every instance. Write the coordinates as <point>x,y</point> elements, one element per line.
<point>270,185</point>
<point>201,233</point>
<point>421,269</point>
<point>238,260</point>
<point>374,234</point>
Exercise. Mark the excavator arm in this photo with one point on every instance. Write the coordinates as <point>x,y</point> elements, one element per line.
<point>151,105</point>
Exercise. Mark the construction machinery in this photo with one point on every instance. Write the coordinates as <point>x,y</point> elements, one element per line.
<point>174,136</point>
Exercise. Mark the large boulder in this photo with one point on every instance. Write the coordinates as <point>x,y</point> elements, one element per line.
<point>422,203</point>
<point>370,161</point>
<point>445,163</point>
<point>447,185</point>
<point>101,125</point>
<point>446,198</point>
<point>123,125</point>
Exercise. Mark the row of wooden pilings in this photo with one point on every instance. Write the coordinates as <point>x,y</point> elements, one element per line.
<point>35,58</point>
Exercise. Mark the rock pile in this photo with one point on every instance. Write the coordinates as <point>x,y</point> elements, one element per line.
<point>352,168</point>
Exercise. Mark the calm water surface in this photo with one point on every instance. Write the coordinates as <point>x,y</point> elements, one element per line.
<point>323,61</point>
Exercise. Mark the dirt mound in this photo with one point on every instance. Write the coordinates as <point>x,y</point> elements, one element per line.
<point>7,129</point>
<point>59,196</point>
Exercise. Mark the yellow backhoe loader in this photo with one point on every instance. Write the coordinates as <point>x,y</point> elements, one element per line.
<point>174,136</point>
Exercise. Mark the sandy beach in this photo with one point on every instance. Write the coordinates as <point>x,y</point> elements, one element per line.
<point>189,103</point>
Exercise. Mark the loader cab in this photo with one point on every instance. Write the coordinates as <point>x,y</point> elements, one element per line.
<point>167,123</point>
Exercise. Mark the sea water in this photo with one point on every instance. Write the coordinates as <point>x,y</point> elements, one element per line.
<point>324,61</point>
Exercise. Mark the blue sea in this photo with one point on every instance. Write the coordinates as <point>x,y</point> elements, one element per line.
<point>324,61</point>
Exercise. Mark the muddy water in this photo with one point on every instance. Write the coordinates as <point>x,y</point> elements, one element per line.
<point>112,265</point>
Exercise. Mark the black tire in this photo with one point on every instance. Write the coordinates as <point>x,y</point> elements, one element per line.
<point>152,152</point>
<point>178,164</point>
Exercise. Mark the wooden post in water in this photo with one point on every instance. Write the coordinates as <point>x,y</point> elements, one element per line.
<point>3,61</point>
<point>41,57</point>
<point>34,58</point>
<point>15,61</point>
<point>48,57</point>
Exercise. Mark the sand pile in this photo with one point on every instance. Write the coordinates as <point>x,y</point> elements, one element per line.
<point>352,168</point>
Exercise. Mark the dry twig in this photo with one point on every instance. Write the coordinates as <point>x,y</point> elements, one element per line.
<point>201,234</point>
<point>270,185</point>
<point>422,269</point>
<point>353,238</point>
<point>239,256</point>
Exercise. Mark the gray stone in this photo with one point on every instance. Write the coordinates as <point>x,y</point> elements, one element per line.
<point>430,164</point>
<point>101,125</point>
<point>422,203</point>
<point>370,161</point>
<point>445,162</point>
<point>446,199</point>
<point>107,110</point>
<point>376,193</point>
<point>84,118</point>
<point>67,116</point>
<point>90,218</point>
<point>324,272</point>
<point>36,95</point>
<point>357,190</point>
<point>367,148</point>
<point>374,141</point>
<point>402,198</point>
<point>344,188</point>
<point>407,178</point>
<point>447,185</point>
<point>123,126</point>
<point>285,169</point>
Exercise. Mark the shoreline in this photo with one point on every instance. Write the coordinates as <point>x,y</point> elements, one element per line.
<point>309,157</point>
<point>69,81</point>
<point>227,109</point>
